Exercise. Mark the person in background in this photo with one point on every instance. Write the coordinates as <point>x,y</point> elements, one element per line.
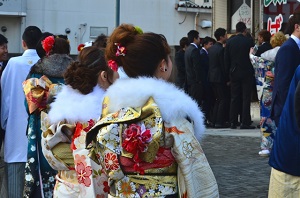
<point>264,74</point>
<point>54,53</point>
<point>264,45</point>
<point>180,64</point>
<point>285,155</point>
<point>3,62</point>
<point>146,139</point>
<point>68,121</point>
<point>208,96</point>
<point>100,41</point>
<point>3,52</point>
<point>13,113</point>
<point>218,78</point>
<point>263,38</point>
<point>297,105</point>
<point>241,74</point>
<point>286,62</point>
<point>195,74</point>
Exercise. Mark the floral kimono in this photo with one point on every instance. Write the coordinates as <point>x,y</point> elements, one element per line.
<point>44,82</point>
<point>63,144</point>
<point>148,147</point>
<point>264,73</point>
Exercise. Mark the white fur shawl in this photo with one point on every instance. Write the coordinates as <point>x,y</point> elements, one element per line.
<point>73,106</point>
<point>173,103</point>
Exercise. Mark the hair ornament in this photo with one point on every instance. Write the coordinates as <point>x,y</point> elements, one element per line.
<point>83,45</point>
<point>80,47</point>
<point>121,50</point>
<point>48,44</point>
<point>138,29</point>
<point>113,65</point>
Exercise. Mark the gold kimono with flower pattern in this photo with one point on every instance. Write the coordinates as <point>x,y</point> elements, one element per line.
<point>173,163</point>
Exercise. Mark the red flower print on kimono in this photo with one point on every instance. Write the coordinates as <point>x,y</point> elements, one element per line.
<point>111,161</point>
<point>83,174</point>
<point>106,187</point>
<point>135,140</point>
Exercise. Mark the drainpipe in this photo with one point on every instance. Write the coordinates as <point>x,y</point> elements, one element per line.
<point>213,15</point>
<point>252,18</point>
<point>196,21</point>
<point>117,13</point>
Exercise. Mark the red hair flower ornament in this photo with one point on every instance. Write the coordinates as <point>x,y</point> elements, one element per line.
<point>80,47</point>
<point>113,65</point>
<point>135,140</point>
<point>48,44</point>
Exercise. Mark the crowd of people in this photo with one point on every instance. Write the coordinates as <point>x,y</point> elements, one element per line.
<point>73,128</point>
<point>233,69</point>
<point>110,124</point>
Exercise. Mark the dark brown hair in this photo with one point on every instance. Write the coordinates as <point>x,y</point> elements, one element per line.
<point>143,51</point>
<point>294,19</point>
<point>100,41</point>
<point>83,73</point>
<point>265,34</point>
<point>61,46</point>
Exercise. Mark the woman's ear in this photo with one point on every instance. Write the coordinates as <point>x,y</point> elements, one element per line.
<point>163,65</point>
<point>102,80</point>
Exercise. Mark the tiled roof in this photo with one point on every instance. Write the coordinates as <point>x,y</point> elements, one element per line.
<point>190,4</point>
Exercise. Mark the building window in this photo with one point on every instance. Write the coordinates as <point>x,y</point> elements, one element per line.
<point>206,1</point>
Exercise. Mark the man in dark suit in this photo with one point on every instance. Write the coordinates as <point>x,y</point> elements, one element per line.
<point>208,97</point>
<point>263,38</point>
<point>193,68</point>
<point>286,61</point>
<point>180,64</point>
<point>218,78</point>
<point>241,76</point>
<point>3,62</point>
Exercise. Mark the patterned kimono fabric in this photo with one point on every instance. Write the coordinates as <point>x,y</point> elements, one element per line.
<point>39,91</point>
<point>39,176</point>
<point>145,157</point>
<point>64,147</point>
<point>264,74</point>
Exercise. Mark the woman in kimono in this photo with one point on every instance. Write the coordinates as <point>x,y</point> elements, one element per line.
<point>264,73</point>
<point>43,81</point>
<point>147,139</point>
<point>71,115</point>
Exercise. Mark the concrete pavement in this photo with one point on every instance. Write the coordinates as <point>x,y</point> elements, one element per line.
<point>233,157</point>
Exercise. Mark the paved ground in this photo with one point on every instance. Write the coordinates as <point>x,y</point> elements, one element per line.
<point>233,156</point>
<point>239,170</point>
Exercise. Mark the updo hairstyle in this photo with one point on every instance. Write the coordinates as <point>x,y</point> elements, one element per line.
<point>83,73</point>
<point>39,47</point>
<point>144,51</point>
<point>294,19</point>
<point>277,39</point>
<point>61,45</point>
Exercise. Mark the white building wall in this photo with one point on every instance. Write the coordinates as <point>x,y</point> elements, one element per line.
<point>159,16</point>
<point>219,14</point>
<point>55,16</point>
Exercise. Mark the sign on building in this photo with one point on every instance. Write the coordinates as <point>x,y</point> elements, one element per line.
<point>277,13</point>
